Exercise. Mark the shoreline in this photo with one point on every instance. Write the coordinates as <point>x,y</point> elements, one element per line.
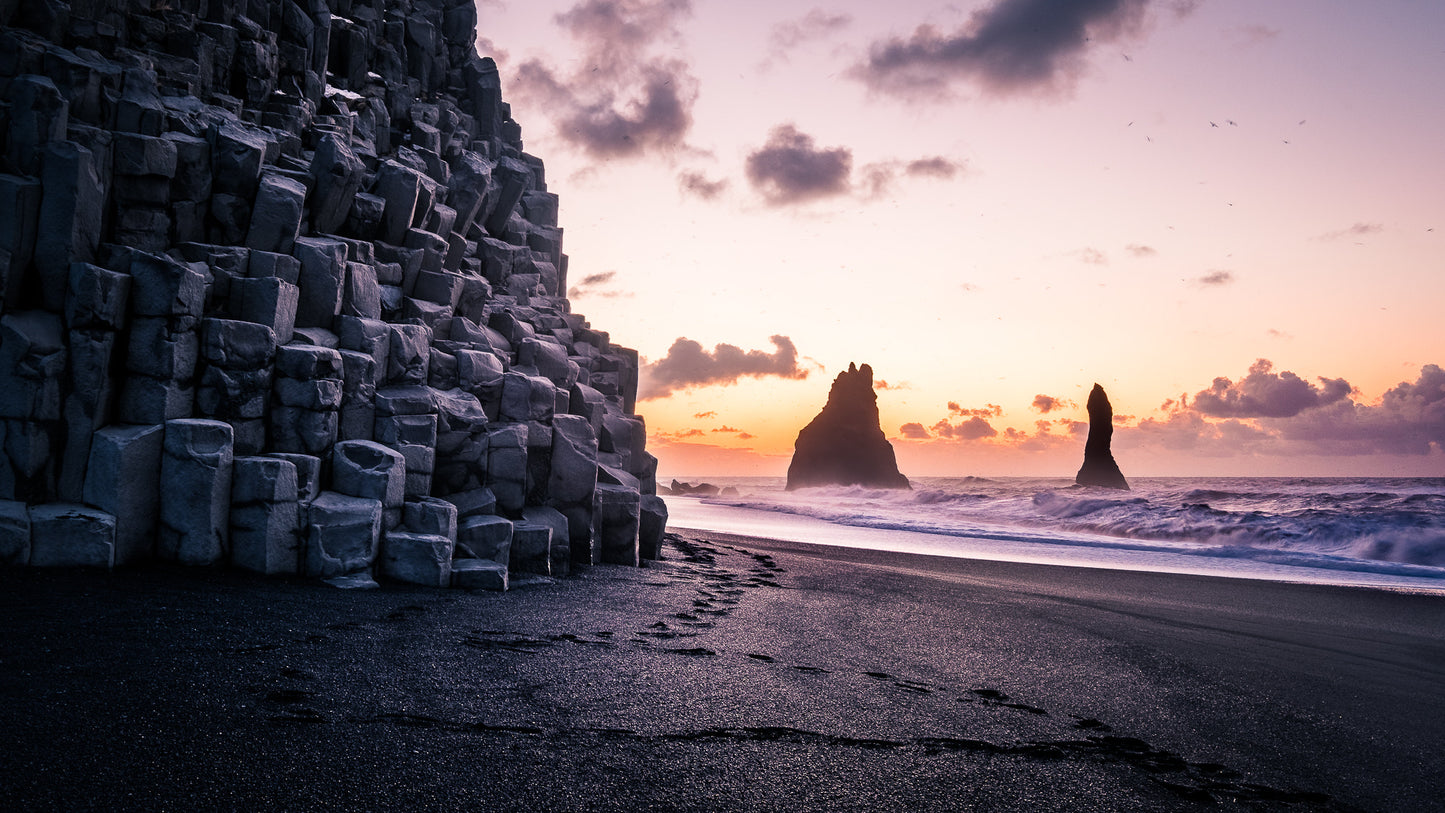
<point>737,673</point>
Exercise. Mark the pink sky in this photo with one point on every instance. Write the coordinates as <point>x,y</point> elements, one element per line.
<point>1229,214</point>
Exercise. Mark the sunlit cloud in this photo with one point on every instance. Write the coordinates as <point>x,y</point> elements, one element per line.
<point>1264,393</point>
<point>687,365</point>
<point>1047,403</point>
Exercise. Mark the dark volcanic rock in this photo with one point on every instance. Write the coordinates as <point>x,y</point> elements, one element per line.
<point>844,444</point>
<point>1099,468</point>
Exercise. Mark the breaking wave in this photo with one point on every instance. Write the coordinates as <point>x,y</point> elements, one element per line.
<point>1380,525</point>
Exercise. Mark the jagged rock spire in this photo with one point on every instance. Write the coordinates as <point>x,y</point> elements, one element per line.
<point>1099,468</point>
<point>844,444</point>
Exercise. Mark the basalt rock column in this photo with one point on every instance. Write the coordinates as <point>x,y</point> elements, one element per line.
<point>844,445</point>
<point>1099,468</point>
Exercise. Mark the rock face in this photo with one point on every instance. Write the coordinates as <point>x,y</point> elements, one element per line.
<point>844,445</point>
<point>280,289</point>
<point>1099,468</point>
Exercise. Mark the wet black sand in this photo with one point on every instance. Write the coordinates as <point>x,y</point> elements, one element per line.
<point>737,674</point>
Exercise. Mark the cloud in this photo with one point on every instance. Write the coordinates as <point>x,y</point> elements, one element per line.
<point>913,431</point>
<point>988,411</point>
<point>1009,47</point>
<point>1047,403</point>
<point>790,168</point>
<point>1410,419</point>
<point>1140,251</point>
<point>705,415</point>
<point>598,284</point>
<point>726,428</point>
<point>1357,230</point>
<point>975,428</point>
<point>1248,36</point>
<point>688,365</point>
<point>788,35</point>
<point>699,185</point>
<point>629,94</point>
<point>1214,279</point>
<point>1093,256</point>
<point>1264,393</point>
<point>878,178</point>
<point>881,385</point>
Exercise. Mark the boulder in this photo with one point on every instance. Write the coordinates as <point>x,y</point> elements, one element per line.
<point>414,558</point>
<point>342,535</point>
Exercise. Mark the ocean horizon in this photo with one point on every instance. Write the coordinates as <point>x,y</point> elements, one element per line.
<point>1382,532</point>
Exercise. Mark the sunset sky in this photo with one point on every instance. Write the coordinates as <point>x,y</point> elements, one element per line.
<point>1230,214</point>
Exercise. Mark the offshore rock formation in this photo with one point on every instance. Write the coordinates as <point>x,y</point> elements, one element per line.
<point>844,445</point>
<point>281,290</point>
<point>1099,468</point>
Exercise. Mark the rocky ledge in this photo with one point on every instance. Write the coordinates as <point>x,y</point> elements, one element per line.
<point>844,445</point>
<point>281,290</point>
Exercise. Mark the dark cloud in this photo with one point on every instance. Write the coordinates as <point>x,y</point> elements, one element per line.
<point>913,431</point>
<point>1140,251</point>
<point>1011,46</point>
<point>975,428</point>
<point>699,185</point>
<point>599,284</point>
<point>1355,231</point>
<point>1047,403</point>
<point>1264,393</point>
<point>1214,279</point>
<point>790,168</point>
<point>817,24</point>
<point>630,94</point>
<point>688,365</point>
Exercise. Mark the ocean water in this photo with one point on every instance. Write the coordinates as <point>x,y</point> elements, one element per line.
<point>1387,532</point>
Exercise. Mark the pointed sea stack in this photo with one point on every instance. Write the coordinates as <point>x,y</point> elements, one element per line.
<point>1099,468</point>
<point>844,445</point>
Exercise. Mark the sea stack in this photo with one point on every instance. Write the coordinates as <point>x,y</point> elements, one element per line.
<point>844,445</point>
<point>1099,468</point>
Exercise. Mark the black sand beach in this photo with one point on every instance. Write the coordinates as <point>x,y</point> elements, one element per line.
<point>736,674</point>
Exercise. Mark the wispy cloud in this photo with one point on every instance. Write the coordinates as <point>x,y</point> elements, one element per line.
<point>700,186</point>
<point>1140,251</point>
<point>1214,279</point>
<point>1353,232</point>
<point>789,35</point>
<point>599,284</point>
<point>688,365</point>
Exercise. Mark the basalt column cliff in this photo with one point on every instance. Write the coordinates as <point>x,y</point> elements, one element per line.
<point>844,445</point>
<point>282,290</point>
